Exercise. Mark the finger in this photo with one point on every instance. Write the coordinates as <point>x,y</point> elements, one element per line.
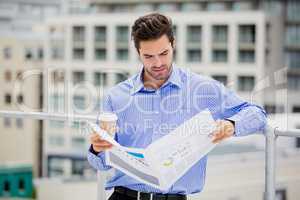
<point>102,148</point>
<point>102,142</point>
<point>103,145</point>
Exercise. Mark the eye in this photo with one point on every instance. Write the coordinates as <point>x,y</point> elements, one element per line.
<point>164,53</point>
<point>148,57</point>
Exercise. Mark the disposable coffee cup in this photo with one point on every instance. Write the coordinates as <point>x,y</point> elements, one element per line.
<point>108,122</point>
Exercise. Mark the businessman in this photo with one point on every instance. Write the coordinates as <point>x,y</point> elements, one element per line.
<point>159,98</point>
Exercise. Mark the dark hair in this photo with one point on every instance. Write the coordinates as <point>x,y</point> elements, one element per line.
<point>151,27</point>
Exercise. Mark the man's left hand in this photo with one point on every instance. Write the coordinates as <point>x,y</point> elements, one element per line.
<point>225,129</point>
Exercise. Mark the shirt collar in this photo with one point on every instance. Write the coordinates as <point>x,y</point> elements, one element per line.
<point>173,79</point>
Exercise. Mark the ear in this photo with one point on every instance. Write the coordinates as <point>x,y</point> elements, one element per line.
<point>174,44</point>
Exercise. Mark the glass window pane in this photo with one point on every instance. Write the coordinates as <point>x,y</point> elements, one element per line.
<point>78,33</point>
<point>100,34</point>
<point>220,56</point>
<point>246,83</point>
<point>100,54</point>
<point>220,34</point>
<point>78,102</point>
<point>247,33</point>
<point>78,53</point>
<point>246,56</point>
<point>193,34</point>
<point>122,54</point>
<point>194,55</point>
<point>122,34</point>
<point>100,79</point>
<point>78,77</point>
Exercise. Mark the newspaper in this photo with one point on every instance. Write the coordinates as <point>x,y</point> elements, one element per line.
<point>163,162</point>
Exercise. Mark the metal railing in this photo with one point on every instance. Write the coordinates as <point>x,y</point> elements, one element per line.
<point>271,134</point>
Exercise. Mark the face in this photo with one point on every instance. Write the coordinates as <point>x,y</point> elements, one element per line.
<point>156,56</point>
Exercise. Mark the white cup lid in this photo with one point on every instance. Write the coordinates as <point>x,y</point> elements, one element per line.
<point>107,117</point>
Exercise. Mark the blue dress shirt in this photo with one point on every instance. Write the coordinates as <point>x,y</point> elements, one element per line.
<point>145,115</point>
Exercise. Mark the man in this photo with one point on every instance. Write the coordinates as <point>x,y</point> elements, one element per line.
<point>158,99</point>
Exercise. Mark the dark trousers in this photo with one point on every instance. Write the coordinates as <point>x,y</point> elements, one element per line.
<point>118,196</point>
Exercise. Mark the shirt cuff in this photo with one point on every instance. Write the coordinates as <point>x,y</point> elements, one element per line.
<point>93,151</point>
<point>97,160</point>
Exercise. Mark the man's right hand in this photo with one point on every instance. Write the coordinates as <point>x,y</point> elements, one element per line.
<point>98,144</point>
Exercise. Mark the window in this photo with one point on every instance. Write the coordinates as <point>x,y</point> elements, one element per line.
<point>100,79</point>
<point>76,124</point>
<point>122,54</point>
<point>293,35</point>
<point>296,109</point>
<point>280,194</point>
<point>293,82</point>
<point>247,34</point>
<point>246,56</point>
<point>167,7</point>
<point>56,124</point>
<point>7,122</point>
<point>298,138</point>
<point>220,56</point>
<point>239,6</point>
<point>191,6</point>
<point>122,34</point>
<point>100,54</point>
<point>20,99</point>
<point>7,76</point>
<point>194,55</point>
<point>293,8</point>
<point>78,77</point>
<point>216,6</point>
<point>298,142</point>
<point>28,54</point>
<point>273,7</point>
<point>57,52</point>
<point>246,83</point>
<point>7,54</point>
<point>78,53</point>
<point>6,186</point>
<point>40,53</point>
<point>193,34</point>
<point>56,103</point>
<point>56,140</point>
<point>79,102</point>
<point>100,34</point>
<point>220,78</point>
<point>293,59</point>
<point>78,167</point>
<point>58,76</point>
<point>220,33</point>
<point>78,33</point>
<point>19,123</point>
<point>7,99</point>
<point>78,143</point>
<point>56,166</point>
<point>21,185</point>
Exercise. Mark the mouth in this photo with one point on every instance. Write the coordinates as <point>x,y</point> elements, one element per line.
<point>158,69</point>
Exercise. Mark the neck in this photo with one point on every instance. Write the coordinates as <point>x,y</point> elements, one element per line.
<point>150,82</point>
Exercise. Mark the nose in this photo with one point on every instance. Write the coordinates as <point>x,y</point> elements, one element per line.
<point>157,61</point>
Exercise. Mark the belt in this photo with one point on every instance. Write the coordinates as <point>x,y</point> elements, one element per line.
<point>148,196</point>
